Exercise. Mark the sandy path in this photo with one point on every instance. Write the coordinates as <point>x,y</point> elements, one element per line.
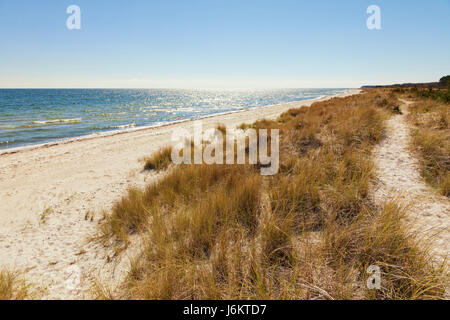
<point>399,178</point>
<point>46,192</point>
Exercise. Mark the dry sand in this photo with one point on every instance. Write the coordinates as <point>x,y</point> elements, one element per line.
<point>48,194</point>
<point>399,179</point>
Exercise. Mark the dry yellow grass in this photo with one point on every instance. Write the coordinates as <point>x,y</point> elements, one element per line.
<point>159,161</point>
<point>309,232</point>
<point>431,141</point>
<point>12,287</point>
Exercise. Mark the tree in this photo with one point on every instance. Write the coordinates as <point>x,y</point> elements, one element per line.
<point>445,81</point>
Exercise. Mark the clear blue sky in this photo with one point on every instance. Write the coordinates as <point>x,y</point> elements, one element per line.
<point>222,43</point>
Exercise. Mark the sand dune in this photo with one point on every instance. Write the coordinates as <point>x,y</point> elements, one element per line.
<point>48,195</point>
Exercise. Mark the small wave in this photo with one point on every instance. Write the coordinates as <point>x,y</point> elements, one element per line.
<point>149,108</point>
<point>4,142</point>
<point>124,126</point>
<point>113,113</point>
<point>6,127</point>
<point>160,110</point>
<point>73,120</point>
<point>186,109</point>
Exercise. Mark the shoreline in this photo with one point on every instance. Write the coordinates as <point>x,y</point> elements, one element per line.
<point>38,177</point>
<point>109,133</point>
<point>53,198</point>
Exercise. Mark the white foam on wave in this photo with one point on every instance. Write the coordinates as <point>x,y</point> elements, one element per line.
<point>124,126</point>
<point>72,120</point>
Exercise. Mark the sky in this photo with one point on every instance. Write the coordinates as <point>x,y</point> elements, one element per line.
<point>222,43</point>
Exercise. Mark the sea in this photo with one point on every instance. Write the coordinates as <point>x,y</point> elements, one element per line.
<point>30,117</point>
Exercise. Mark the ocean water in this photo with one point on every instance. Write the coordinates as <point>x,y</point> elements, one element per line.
<point>37,116</point>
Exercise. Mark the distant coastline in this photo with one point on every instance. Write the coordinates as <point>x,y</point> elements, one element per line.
<point>441,84</point>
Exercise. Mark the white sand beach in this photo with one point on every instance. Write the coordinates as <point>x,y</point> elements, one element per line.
<point>48,195</point>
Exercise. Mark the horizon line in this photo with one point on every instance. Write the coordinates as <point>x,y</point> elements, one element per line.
<point>171,88</point>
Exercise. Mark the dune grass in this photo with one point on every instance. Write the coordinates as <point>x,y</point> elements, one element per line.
<point>12,287</point>
<point>431,141</point>
<point>309,232</point>
<point>160,160</point>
